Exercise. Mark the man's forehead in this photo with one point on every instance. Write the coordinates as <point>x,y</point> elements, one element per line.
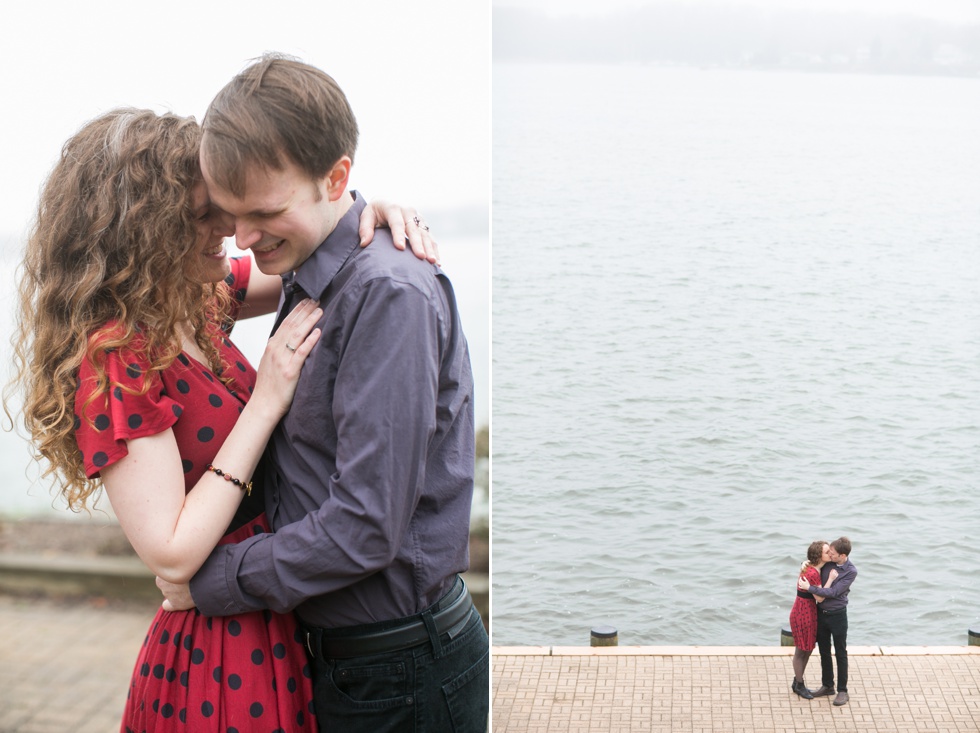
<point>264,188</point>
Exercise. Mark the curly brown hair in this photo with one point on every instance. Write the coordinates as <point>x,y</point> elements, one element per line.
<point>814,554</point>
<point>112,243</point>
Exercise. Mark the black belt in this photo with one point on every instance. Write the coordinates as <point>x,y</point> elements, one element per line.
<point>449,616</point>
<point>803,594</point>
<point>833,612</point>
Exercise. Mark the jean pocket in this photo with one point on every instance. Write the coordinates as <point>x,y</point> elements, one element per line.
<point>468,696</point>
<point>372,686</point>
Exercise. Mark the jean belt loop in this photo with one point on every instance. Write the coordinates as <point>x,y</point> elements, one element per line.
<point>430,626</point>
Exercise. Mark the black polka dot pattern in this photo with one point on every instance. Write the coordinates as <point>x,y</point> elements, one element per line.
<point>255,682</point>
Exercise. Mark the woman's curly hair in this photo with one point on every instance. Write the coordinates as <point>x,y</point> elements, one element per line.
<point>112,242</point>
<point>814,554</point>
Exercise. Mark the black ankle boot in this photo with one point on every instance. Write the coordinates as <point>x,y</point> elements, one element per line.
<point>800,689</point>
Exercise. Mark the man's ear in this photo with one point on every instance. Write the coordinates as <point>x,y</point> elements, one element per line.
<point>335,182</point>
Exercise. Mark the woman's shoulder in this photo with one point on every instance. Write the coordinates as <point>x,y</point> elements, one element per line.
<point>238,278</point>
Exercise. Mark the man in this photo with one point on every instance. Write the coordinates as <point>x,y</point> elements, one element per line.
<point>369,477</point>
<point>832,618</point>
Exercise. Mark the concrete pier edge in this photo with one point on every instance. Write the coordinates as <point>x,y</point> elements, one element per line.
<point>726,651</point>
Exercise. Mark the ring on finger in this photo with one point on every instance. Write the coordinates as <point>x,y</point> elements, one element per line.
<point>291,348</point>
<point>420,224</point>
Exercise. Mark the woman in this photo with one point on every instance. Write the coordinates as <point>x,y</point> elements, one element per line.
<point>130,383</point>
<point>803,617</point>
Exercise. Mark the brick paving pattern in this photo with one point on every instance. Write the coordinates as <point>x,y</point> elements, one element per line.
<point>730,690</point>
<point>66,667</point>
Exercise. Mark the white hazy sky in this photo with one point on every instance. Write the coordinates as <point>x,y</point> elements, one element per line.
<point>417,76</point>
<point>956,11</point>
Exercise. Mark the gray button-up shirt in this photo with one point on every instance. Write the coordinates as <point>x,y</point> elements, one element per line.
<point>835,595</point>
<point>370,475</point>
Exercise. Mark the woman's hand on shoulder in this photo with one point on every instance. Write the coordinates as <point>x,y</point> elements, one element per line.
<point>405,225</point>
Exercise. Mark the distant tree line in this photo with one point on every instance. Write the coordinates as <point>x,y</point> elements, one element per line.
<point>749,37</point>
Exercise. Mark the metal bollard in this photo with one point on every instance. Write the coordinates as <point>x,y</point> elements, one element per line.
<point>786,637</point>
<point>973,637</point>
<point>604,636</point>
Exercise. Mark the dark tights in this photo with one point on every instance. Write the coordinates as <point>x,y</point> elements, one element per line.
<point>800,658</point>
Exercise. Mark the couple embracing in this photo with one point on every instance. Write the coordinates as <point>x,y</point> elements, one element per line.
<point>307,521</point>
<point>820,614</point>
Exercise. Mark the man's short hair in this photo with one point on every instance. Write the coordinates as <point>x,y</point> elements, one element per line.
<point>278,106</point>
<point>842,546</point>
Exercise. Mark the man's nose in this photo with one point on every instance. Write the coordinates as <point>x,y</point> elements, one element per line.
<point>246,236</point>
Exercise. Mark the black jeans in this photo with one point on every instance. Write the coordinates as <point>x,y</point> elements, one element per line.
<point>441,686</point>
<point>833,624</point>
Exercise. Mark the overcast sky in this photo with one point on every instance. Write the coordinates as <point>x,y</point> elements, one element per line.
<point>957,11</point>
<point>416,74</point>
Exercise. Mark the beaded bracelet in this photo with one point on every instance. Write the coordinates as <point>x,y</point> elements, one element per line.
<point>247,488</point>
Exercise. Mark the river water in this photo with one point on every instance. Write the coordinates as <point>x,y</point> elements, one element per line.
<point>733,312</point>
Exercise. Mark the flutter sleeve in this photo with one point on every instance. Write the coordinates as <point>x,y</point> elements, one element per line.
<point>237,280</point>
<point>813,575</point>
<point>103,427</point>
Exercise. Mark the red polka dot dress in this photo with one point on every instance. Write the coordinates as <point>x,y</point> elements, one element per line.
<point>803,617</point>
<point>244,673</point>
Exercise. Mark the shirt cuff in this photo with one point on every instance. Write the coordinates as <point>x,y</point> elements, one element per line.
<point>215,589</point>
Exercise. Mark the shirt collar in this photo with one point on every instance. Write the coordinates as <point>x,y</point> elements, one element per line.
<point>320,268</point>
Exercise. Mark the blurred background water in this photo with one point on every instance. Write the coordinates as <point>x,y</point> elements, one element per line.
<point>733,312</point>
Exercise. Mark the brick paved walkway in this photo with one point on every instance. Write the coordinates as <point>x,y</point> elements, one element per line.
<point>730,690</point>
<point>66,667</point>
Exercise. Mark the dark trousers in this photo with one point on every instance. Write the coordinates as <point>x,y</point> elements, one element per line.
<point>441,686</point>
<point>833,625</point>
